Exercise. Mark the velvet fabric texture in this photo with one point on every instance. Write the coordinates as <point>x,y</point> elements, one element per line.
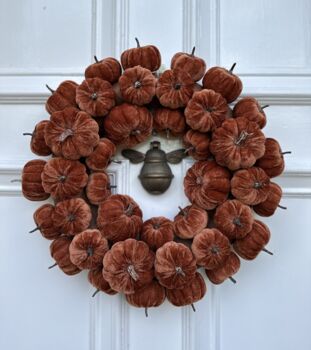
<point>197,144</point>
<point>98,188</point>
<point>249,108</point>
<point>96,278</point>
<point>38,145</point>
<point>169,121</point>
<point>230,267</point>
<point>269,206</point>
<point>44,222</point>
<point>108,69</point>
<point>102,155</point>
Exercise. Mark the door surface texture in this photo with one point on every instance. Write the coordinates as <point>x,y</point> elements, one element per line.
<point>48,41</point>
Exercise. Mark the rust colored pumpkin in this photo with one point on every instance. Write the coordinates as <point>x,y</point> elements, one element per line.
<point>72,216</point>
<point>269,206</point>
<point>210,248</point>
<point>190,221</point>
<point>71,134</point>
<point>250,186</point>
<point>174,88</point>
<point>197,144</point>
<point>157,231</point>
<point>88,248</point>
<point>59,249</point>
<point>128,266</point>
<point>206,111</point>
<point>64,96</point>
<point>175,265</point>
<point>96,278</point>
<point>230,267</point>
<point>128,124</point>
<point>249,108</point>
<point>251,245</point>
<point>119,217</point>
<point>146,56</point>
<point>37,143</point>
<point>106,69</point>
<point>95,96</point>
<point>102,155</point>
<point>98,188</point>
<point>32,186</point>
<point>190,63</point>
<point>191,293</point>
<point>207,184</point>
<point>137,85</point>
<point>234,219</point>
<point>64,178</point>
<point>238,143</point>
<point>223,81</point>
<point>170,121</point>
<point>43,220</point>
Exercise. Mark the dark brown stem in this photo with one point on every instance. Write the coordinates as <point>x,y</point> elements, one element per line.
<point>96,59</point>
<point>35,229</point>
<point>27,134</point>
<point>267,251</point>
<point>232,279</point>
<point>96,291</point>
<point>265,106</point>
<point>112,186</point>
<point>50,267</point>
<point>287,152</point>
<point>137,42</point>
<point>16,180</point>
<point>52,91</point>
<point>129,210</point>
<point>192,52</point>
<point>182,211</point>
<point>188,149</point>
<point>193,308</point>
<point>281,207</point>
<point>232,68</point>
<point>146,311</point>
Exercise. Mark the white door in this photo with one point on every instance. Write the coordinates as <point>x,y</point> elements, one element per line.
<point>46,41</point>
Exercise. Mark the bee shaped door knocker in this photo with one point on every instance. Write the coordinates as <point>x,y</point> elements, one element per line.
<point>155,175</point>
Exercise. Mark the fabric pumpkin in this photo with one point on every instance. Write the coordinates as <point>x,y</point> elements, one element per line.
<point>223,81</point>
<point>43,220</point>
<point>64,178</point>
<point>37,143</point>
<point>71,134</point>
<point>174,88</point>
<point>249,108</point>
<point>170,121</point>
<point>96,278</point>
<point>119,217</point>
<point>207,184</point>
<point>238,143</point>
<point>230,267</point>
<point>206,111</point>
<point>102,155</point>
<point>190,221</point>
<point>197,144</point>
<point>137,85</point>
<point>88,248</point>
<point>64,96</point>
<point>250,186</point>
<point>210,248</point>
<point>269,206</point>
<point>95,96</point>
<point>98,188</point>
<point>128,124</point>
<point>107,69</point>
<point>157,231</point>
<point>128,266</point>
<point>175,265</point>
<point>234,219</point>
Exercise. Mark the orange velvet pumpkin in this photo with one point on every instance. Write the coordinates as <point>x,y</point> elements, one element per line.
<point>64,96</point>
<point>95,96</point>
<point>128,266</point>
<point>210,248</point>
<point>175,265</point>
<point>190,221</point>
<point>174,88</point>
<point>250,186</point>
<point>269,206</point>
<point>206,111</point>
<point>102,155</point>
<point>249,108</point>
<point>98,188</point>
<point>207,184</point>
<point>88,248</point>
<point>44,222</point>
<point>96,278</point>
<point>223,81</point>
<point>106,69</point>
<point>128,124</point>
<point>197,144</point>
<point>238,143</point>
<point>37,143</point>
<point>230,267</point>
<point>64,178</point>
<point>170,121</point>
<point>146,56</point>
<point>137,85</point>
<point>119,217</point>
<point>157,231</point>
<point>71,134</point>
<point>234,219</point>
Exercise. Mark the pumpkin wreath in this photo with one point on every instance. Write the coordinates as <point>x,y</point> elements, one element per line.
<point>121,105</point>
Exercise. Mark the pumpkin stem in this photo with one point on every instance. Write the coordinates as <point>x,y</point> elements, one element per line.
<point>237,222</point>
<point>129,210</point>
<point>146,311</point>
<point>281,207</point>
<point>137,42</point>
<point>192,52</point>
<point>96,59</point>
<point>287,152</point>
<point>27,134</point>
<point>35,229</point>
<point>193,308</point>
<point>50,267</point>
<point>267,251</point>
<point>16,180</point>
<point>188,149</point>
<point>112,186</point>
<point>179,271</point>
<point>265,106</point>
<point>231,69</point>
<point>47,86</point>
<point>135,132</point>
<point>116,161</point>
<point>232,279</point>
<point>96,291</point>
<point>242,137</point>
<point>132,272</point>
<point>167,133</point>
<point>183,212</point>
<point>90,251</point>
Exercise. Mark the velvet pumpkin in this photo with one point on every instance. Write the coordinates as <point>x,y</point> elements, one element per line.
<point>102,155</point>
<point>223,81</point>
<point>207,184</point>
<point>145,56</point>
<point>88,248</point>
<point>234,219</point>
<point>98,188</point>
<point>119,217</point>
<point>37,143</point>
<point>128,124</point>
<point>96,278</point>
<point>71,134</point>
<point>249,108</point>
<point>206,111</point>
<point>197,144</point>
<point>210,248</point>
<point>193,65</point>
<point>269,206</point>
<point>175,265</point>
<point>174,88</point>
<point>250,186</point>
<point>230,267</point>
<point>95,97</point>
<point>170,121</point>
<point>128,266</point>
<point>190,221</point>
<point>238,143</point>
<point>44,222</point>
<point>64,178</point>
<point>64,96</point>
<point>157,231</point>
<point>106,69</point>
<point>137,85</point>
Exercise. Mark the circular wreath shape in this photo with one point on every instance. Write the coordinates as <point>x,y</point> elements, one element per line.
<point>92,227</point>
